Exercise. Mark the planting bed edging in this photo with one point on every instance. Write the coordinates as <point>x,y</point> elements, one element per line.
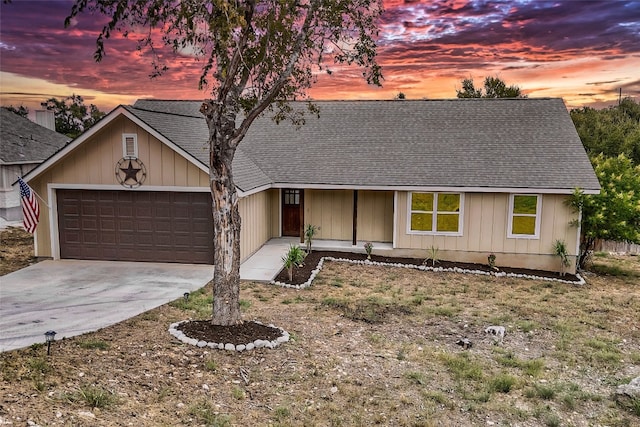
<point>173,330</point>
<point>315,272</point>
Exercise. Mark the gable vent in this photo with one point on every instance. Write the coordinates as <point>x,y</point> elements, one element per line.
<point>130,145</point>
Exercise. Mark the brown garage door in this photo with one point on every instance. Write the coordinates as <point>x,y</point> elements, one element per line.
<point>135,226</point>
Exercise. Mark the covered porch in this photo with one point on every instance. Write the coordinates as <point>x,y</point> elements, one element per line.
<point>266,263</point>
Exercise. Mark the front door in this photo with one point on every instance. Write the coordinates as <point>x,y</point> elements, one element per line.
<point>291,212</point>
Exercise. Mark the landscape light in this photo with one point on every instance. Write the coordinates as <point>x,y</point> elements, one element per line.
<point>186,296</point>
<point>49,336</point>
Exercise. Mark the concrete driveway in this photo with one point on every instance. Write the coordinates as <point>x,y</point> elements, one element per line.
<point>74,297</point>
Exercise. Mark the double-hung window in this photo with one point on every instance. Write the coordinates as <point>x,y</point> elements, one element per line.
<point>435,213</point>
<point>524,216</point>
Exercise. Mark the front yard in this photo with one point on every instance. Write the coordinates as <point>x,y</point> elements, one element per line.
<point>369,345</point>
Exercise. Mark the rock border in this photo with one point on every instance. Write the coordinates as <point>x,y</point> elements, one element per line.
<point>315,272</point>
<point>173,330</point>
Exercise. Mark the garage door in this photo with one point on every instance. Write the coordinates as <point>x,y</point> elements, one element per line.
<point>135,226</point>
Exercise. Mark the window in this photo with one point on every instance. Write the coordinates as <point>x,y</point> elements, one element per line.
<point>130,145</point>
<point>291,197</point>
<point>524,216</point>
<point>435,213</point>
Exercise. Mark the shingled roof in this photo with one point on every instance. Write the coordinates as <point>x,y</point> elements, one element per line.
<point>23,141</point>
<point>492,144</point>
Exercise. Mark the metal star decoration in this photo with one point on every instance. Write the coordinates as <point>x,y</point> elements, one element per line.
<point>130,173</point>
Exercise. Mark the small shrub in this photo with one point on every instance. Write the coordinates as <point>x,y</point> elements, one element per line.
<point>433,256</point>
<point>204,412</point>
<point>560,250</point>
<point>310,232</point>
<point>416,378</point>
<point>94,397</point>
<point>245,304</point>
<point>211,365</point>
<point>293,258</point>
<point>502,383</point>
<point>282,412</point>
<point>238,393</point>
<point>368,248</point>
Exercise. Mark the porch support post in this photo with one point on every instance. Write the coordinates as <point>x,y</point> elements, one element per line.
<point>354,240</point>
<point>301,216</point>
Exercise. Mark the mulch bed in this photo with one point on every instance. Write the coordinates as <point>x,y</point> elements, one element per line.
<point>244,333</point>
<point>302,274</point>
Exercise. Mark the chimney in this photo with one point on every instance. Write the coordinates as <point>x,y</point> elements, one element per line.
<point>46,118</point>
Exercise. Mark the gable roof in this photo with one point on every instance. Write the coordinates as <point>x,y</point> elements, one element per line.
<point>23,141</point>
<point>468,144</point>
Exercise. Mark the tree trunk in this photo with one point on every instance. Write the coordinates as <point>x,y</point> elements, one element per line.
<point>226,218</point>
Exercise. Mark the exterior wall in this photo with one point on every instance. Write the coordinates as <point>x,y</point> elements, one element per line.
<point>10,208</point>
<point>375,216</point>
<point>256,213</point>
<point>484,232</point>
<point>330,210</point>
<point>92,165</point>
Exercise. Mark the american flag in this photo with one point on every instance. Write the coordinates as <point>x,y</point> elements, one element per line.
<point>30,207</point>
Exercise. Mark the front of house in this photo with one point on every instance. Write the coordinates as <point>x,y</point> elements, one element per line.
<point>468,177</point>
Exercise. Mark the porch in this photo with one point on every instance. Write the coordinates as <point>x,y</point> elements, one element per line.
<point>266,263</point>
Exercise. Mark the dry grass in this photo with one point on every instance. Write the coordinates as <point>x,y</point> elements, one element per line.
<point>370,345</point>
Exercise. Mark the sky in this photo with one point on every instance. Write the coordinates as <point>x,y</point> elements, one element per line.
<point>582,51</point>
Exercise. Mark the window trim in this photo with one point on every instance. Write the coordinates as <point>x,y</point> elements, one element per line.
<point>135,145</point>
<point>538,215</point>
<point>434,218</point>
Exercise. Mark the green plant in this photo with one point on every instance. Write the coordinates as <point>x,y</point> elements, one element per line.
<point>560,250</point>
<point>206,414</point>
<point>94,397</point>
<point>94,344</point>
<point>293,258</point>
<point>368,247</point>
<point>502,383</point>
<point>491,260</point>
<point>310,232</point>
<point>433,255</point>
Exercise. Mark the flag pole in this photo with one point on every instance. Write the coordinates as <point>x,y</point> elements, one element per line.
<point>34,192</point>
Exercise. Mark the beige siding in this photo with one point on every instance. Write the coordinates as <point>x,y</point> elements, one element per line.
<point>255,211</point>
<point>375,216</point>
<point>485,231</point>
<point>93,163</point>
<point>332,211</point>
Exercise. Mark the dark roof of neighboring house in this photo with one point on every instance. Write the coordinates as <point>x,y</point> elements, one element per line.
<point>474,143</point>
<point>23,141</point>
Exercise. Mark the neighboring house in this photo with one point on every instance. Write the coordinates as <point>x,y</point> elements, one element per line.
<point>23,145</point>
<point>467,176</point>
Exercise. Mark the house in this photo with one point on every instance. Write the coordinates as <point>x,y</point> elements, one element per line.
<point>23,145</point>
<point>467,176</point>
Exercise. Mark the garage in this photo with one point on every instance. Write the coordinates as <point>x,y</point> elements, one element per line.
<point>152,226</point>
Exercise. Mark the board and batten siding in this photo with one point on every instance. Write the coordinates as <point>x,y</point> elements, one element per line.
<point>332,211</point>
<point>375,216</point>
<point>485,218</point>
<point>257,223</point>
<point>92,164</point>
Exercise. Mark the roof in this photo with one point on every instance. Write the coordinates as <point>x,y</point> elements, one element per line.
<point>526,143</point>
<point>23,141</point>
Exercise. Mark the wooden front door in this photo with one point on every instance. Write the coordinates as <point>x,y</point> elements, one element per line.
<point>292,202</point>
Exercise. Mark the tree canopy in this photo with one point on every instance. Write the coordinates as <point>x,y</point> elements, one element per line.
<point>610,131</point>
<point>614,214</point>
<point>72,117</point>
<point>22,111</point>
<point>255,55</point>
<point>493,87</point>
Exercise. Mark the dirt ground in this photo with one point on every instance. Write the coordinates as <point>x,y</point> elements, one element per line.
<point>369,346</point>
<point>16,250</point>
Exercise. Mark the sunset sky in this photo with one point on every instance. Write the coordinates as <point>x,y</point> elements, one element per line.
<point>582,51</point>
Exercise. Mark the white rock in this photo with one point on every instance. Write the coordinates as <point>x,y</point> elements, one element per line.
<point>202,344</point>
<point>86,414</point>
<point>250,346</point>
<point>229,346</point>
<point>241,347</point>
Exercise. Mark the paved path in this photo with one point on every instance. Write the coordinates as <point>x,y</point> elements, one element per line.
<point>74,297</point>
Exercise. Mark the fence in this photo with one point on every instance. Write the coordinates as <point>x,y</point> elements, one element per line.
<point>617,247</point>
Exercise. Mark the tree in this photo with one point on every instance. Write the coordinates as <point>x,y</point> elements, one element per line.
<point>494,87</point>
<point>72,116</point>
<point>256,55</point>
<point>611,131</point>
<point>614,214</point>
<point>22,111</point>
